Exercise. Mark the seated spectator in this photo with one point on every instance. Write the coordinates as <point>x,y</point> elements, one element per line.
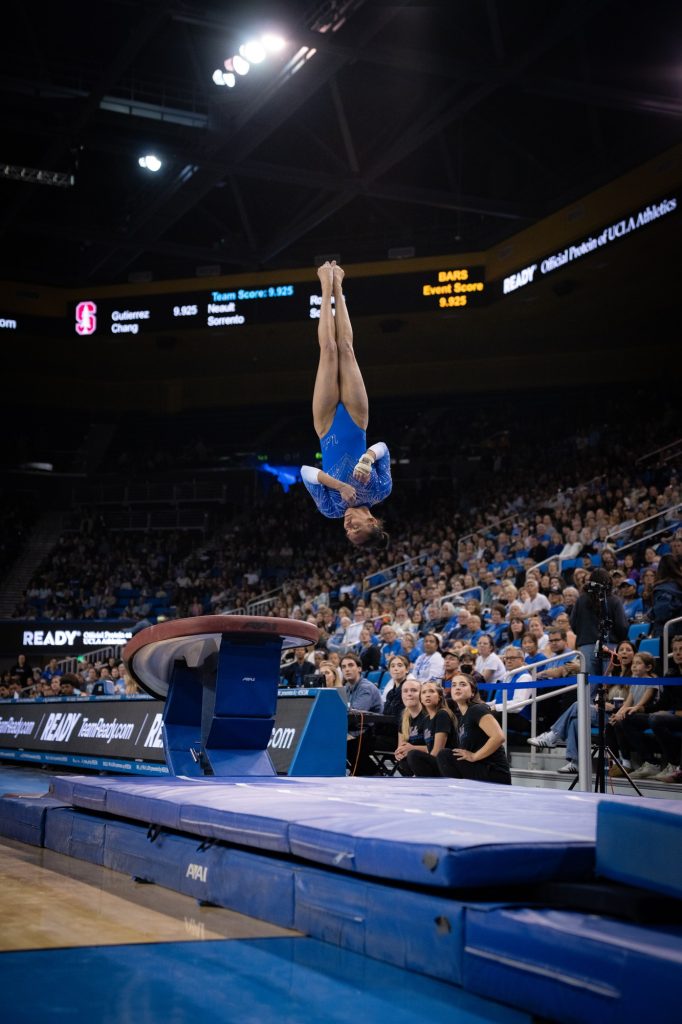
<point>631,721</point>
<point>337,641</point>
<point>536,629</point>
<point>558,647</point>
<point>70,686</point>
<point>565,729</point>
<point>534,602</point>
<point>429,666</point>
<point>328,675</point>
<point>299,672</point>
<point>476,629</point>
<point>398,667</point>
<point>556,600</point>
<point>622,660</point>
<point>498,628</point>
<point>51,669</point>
<point>518,713</point>
<point>440,732</point>
<point>389,645</point>
<point>370,655</point>
<point>462,631</point>
<point>363,696</point>
<point>666,720</point>
<point>563,622</point>
<point>529,646</point>
<point>517,627</point>
<point>479,751</point>
<point>352,635</point>
<point>409,646</point>
<point>450,668</point>
<point>413,721</point>
<point>402,623</point>
<point>488,664</point>
<point>632,605</point>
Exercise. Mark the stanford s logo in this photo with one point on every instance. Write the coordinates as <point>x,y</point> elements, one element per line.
<point>86,318</point>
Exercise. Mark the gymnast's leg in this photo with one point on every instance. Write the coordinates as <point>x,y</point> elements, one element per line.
<point>351,385</point>
<point>326,395</point>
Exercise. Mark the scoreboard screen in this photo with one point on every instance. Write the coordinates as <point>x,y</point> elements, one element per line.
<point>229,308</point>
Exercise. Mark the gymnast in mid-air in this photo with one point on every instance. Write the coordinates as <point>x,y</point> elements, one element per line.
<point>353,477</point>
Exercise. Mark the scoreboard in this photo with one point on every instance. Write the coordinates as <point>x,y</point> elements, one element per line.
<point>229,308</point>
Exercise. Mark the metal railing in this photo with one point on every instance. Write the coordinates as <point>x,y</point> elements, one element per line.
<point>389,574</point>
<point>664,642</point>
<point>458,593</point>
<point>263,602</point>
<point>74,663</point>
<point>656,451</point>
<point>631,526</point>
<point>584,718</point>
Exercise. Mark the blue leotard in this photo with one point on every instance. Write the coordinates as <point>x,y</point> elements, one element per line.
<point>342,446</point>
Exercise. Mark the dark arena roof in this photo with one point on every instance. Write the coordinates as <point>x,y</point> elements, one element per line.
<point>378,129</point>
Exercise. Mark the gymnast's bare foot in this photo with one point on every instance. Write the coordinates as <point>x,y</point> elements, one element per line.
<point>338,274</point>
<point>326,275</point>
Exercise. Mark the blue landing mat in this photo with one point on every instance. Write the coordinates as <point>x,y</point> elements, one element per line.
<point>575,967</point>
<point>23,817</point>
<point>257,981</point>
<point>438,832</point>
<point>420,931</point>
<point>622,856</point>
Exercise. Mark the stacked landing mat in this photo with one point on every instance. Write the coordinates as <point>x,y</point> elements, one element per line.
<point>442,877</point>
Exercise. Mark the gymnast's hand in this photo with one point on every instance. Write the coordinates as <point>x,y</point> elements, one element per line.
<point>363,468</point>
<point>348,493</point>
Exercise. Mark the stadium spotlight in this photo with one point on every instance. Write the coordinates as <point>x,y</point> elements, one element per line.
<point>272,43</point>
<point>253,51</point>
<point>240,65</point>
<point>150,162</point>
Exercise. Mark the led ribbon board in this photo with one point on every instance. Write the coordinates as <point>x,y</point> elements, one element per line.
<point>228,308</point>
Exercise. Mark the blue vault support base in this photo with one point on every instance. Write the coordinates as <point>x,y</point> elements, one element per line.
<point>219,676</point>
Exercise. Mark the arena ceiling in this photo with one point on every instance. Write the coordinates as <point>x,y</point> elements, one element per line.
<point>410,127</point>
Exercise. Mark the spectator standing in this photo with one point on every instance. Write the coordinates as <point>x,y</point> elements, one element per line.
<point>667,596</point>
<point>587,613</point>
<point>22,670</point>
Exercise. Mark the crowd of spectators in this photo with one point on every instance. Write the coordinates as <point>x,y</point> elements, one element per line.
<point>476,572</point>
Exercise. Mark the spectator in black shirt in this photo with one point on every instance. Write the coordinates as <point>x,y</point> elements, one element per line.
<point>480,754</point>
<point>587,613</point>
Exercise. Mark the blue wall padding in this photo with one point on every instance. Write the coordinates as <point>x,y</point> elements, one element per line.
<point>418,931</point>
<point>422,932</point>
<point>23,817</point>
<point>574,967</point>
<point>622,856</point>
<point>75,834</point>
<point>437,832</point>
<point>246,882</point>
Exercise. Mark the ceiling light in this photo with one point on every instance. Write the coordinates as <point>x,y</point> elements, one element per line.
<point>150,162</point>
<point>253,51</point>
<point>240,65</point>
<point>272,43</point>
